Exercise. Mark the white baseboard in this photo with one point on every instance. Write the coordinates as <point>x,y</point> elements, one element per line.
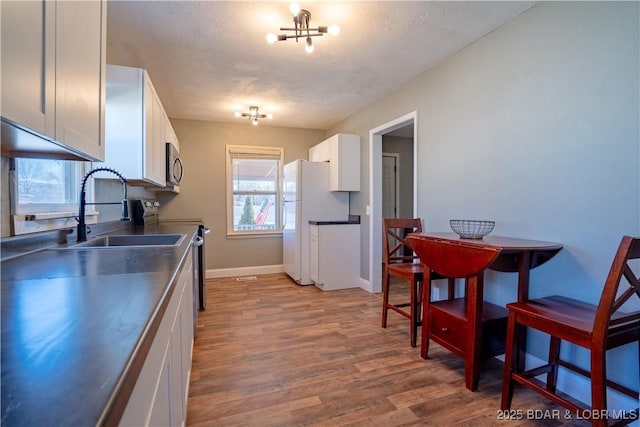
<point>366,285</point>
<point>579,387</point>
<point>243,271</point>
<point>262,269</point>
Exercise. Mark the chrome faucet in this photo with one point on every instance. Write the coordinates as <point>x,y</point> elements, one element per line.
<point>82,226</point>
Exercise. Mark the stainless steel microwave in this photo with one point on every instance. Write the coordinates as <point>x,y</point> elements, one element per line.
<point>175,169</point>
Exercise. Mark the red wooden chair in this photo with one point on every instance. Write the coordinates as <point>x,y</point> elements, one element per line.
<point>596,328</point>
<point>401,262</point>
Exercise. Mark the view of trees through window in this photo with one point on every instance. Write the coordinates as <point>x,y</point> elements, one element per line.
<point>43,181</point>
<point>255,191</point>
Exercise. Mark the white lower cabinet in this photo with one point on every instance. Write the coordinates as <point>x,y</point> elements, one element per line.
<point>334,256</point>
<point>159,397</point>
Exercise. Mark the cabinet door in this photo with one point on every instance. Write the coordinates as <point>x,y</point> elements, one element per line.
<point>28,64</point>
<point>80,76</point>
<point>187,313</point>
<point>178,412</point>
<point>160,414</point>
<point>320,152</point>
<point>345,163</point>
<point>154,152</point>
<point>314,254</point>
<point>170,134</point>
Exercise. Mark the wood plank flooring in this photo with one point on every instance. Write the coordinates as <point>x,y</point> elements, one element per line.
<point>272,353</point>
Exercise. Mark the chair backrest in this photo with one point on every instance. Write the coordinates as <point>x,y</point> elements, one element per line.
<point>610,321</point>
<point>396,248</point>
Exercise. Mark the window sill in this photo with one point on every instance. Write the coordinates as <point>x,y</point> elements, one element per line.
<point>36,222</point>
<point>249,235</point>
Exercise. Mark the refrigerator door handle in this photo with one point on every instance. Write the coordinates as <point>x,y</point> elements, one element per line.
<point>284,214</point>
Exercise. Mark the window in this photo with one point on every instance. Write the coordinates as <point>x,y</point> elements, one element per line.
<point>47,185</point>
<point>253,189</point>
<point>44,194</point>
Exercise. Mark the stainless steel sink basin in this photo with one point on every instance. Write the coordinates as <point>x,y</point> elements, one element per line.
<point>131,240</point>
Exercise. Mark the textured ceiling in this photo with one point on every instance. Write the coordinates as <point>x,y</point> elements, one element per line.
<point>208,58</point>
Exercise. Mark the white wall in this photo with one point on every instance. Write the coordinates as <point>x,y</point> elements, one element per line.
<point>535,126</point>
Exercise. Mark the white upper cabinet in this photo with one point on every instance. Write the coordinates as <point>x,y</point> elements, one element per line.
<point>342,151</point>
<point>53,62</point>
<point>320,152</point>
<point>136,127</point>
<point>80,76</point>
<point>170,134</point>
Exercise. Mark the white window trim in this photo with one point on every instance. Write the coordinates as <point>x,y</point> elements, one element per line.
<point>253,152</point>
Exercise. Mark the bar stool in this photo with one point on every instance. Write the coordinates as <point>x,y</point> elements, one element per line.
<point>401,262</point>
<point>596,328</point>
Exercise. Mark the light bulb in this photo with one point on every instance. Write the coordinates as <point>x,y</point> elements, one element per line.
<point>334,30</point>
<point>254,122</point>
<point>294,7</point>
<point>237,114</point>
<point>309,45</point>
<point>271,38</point>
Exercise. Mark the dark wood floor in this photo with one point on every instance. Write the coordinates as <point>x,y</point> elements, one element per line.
<point>272,353</point>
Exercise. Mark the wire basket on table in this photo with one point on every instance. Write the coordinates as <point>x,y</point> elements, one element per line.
<point>471,228</point>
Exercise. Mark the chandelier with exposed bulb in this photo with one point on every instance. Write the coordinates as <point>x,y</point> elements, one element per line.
<point>301,29</point>
<point>254,115</point>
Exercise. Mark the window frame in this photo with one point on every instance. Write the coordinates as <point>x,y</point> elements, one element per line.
<point>29,218</point>
<point>233,151</point>
<point>18,208</point>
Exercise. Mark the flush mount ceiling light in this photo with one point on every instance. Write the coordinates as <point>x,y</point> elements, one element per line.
<point>254,115</point>
<point>301,30</point>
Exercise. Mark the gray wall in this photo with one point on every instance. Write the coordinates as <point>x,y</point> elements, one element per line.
<point>537,127</point>
<point>203,189</point>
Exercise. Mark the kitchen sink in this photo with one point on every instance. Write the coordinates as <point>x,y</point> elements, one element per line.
<point>131,240</point>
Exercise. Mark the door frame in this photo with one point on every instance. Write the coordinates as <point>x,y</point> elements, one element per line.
<point>375,192</point>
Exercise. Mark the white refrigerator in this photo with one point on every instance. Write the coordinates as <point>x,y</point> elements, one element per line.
<point>307,198</point>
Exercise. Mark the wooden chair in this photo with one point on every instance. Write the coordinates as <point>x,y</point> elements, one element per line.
<point>596,328</point>
<point>401,262</point>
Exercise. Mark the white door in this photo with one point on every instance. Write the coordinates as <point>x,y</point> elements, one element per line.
<point>389,185</point>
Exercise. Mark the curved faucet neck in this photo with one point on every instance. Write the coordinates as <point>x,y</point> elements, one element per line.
<point>82,226</point>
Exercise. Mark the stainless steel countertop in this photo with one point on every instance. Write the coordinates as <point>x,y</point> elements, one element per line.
<point>73,323</point>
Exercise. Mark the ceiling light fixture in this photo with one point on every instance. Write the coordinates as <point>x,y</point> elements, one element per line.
<point>254,115</point>
<point>301,30</point>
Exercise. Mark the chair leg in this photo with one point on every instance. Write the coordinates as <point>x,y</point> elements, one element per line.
<point>416,290</point>
<point>554,356</point>
<point>385,299</point>
<point>598,384</point>
<point>420,285</point>
<point>507,382</point>
<point>426,299</point>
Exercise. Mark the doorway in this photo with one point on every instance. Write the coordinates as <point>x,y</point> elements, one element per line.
<point>390,185</point>
<point>375,187</point>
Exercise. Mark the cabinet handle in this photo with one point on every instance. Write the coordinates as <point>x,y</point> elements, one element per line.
<point>445,329</point>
